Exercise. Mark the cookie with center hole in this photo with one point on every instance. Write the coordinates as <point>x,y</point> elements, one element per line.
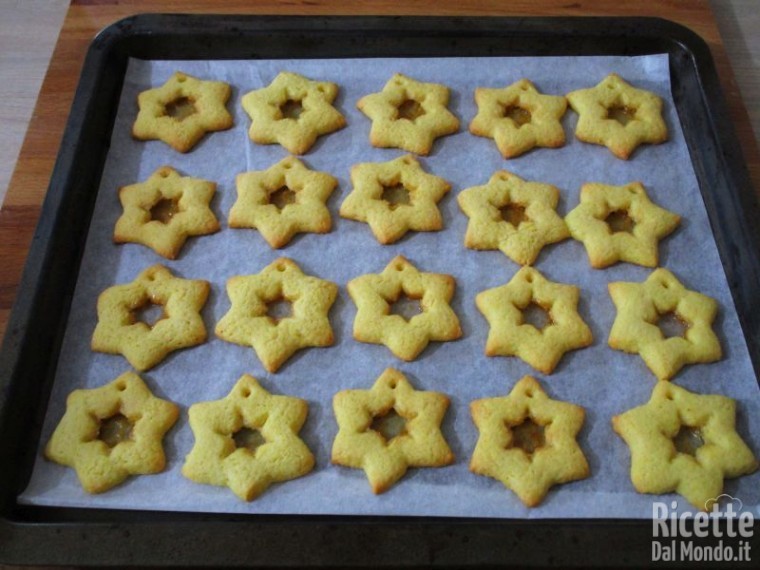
<point>519,118</point>
<point>292,111</point>
<point>385,458</point>
<point>286,199</point>
<point>620,223</point>
<point>515,216</point>
<point>619,116</point>
<point>684,442</point>
<point>120,330</point>
<point>248,440</point>
<point>182,111</point>
<point>540,344</point>
<point>113,432</point>
<point>253,321</point>
<point>640,308</point>
<point>528,441</point>
<point>394,198</point>
<point>162,212</point>
<point>408,114</point>
<point>375,295</point>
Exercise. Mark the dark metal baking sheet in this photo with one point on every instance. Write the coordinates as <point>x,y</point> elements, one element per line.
<point>29,355</point>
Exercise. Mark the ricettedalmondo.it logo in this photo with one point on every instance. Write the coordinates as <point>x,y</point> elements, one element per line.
<point>720,533</point>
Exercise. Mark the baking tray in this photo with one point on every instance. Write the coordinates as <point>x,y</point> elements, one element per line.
<point>36,535</point>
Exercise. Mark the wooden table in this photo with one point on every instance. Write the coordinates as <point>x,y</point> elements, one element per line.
<point>26,192</point>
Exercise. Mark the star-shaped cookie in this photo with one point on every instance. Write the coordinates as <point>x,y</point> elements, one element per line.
<point>282,201</point>
<point>619,116</point>
<point>275,340</point>
<point>640,306</point>
<point>389,217</point>
<point>528,462</point>
<point>182,110</point>
<point>419,444</point>
<point>660,463</point>
<point>512,215</point>
<point>166,209</point>
<point>112,432</point>
<point>119,331</point>
<point>248,440</point>
<point>519,118</point>
<point>593,223</point>
<point>510,335</point>
<point>408,114</point>
<point>375,293</point>
<point>292,111</point>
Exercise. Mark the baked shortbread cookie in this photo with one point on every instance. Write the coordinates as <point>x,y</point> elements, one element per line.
<point>361,444</point>
<point>512,215</point>
<point>282,201</point>
<point>119,330</point>
<point>519,118</point>
<point>527,441</point>
<point>277,339</point>
<point>182,111</point>
<point>374,294</point>
<point>395,197</point>
<point>112,432</point>
<point>620,223</point>
<point>619,116</point>
<point>684,442</point>
<point>409,114</point>
<point>292,111</point>
<point>640,306</point>
<point>166,209</point>
<point>504,306</point>
<point>248,440</point>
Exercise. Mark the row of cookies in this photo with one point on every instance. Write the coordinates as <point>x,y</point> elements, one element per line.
<point>250,438</point>
<point>518,217</point>
<point>407,114</point>
<point>275,338</point>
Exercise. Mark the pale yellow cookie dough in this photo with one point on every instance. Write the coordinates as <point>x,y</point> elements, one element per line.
<point>519,118</point>
<point>512,215</point>
<point>119,332</point>
<point>409,114</point>
<point>639,309</point>
<point>136,422</point>
<point>617,115</point>
<point>275,340</point>
<point>510,335</point>
<point>292,111</point>
<point>182,111</point>
<point>374,294</point>
<point>532,461</point>
<point>419,444</point>
<point>166,209</point>
<point>282,201</point>
<point>661,463</point>
<point>248,463</point>
<point>415,207</point>
<point>591,223</point>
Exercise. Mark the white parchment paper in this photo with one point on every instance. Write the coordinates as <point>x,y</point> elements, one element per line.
<point>604,381</point>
